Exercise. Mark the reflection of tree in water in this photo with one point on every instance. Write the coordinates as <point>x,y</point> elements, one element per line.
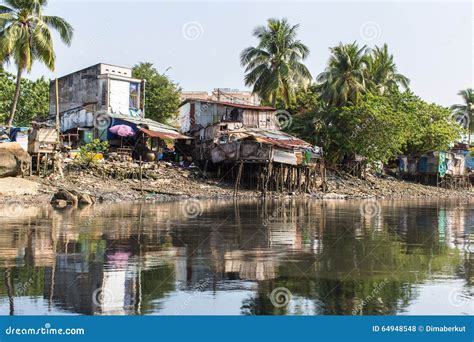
<point>155,285</point>
<point>373,272</point>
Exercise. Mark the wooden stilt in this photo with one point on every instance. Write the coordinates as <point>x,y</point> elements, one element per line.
<point>237,181</point>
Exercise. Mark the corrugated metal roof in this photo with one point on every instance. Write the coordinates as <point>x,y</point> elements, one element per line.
<point>162,135</point>
<point>230,104</point>
<point>272,137</point>
<point>152,125</point>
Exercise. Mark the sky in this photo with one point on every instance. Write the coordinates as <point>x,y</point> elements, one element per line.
<point>200,42</point>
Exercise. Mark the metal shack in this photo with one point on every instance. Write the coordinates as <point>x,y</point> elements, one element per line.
<point>226,135</point>
<point>440,168</point>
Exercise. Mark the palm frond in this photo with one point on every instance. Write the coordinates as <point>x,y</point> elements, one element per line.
<point>64,29</point>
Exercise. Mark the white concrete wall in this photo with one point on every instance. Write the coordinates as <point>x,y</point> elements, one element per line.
<point>119,97</point>
<point>184,119</point>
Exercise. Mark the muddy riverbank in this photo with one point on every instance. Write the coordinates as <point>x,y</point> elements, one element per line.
<point>170,182</point>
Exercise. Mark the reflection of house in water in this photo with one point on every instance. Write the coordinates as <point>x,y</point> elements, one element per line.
<point>251,266</point>
<point>128,259</point>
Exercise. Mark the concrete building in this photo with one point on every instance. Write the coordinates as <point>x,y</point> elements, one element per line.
<point>94,99</point>
<point>223,94</point>
<point>101,87</point>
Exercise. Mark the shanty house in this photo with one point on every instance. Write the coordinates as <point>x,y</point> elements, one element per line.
<point>439,168</point>
<point>229,133</point>
<point>197,114</point>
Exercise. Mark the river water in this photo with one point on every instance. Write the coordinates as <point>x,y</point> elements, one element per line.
<point>281,257</point>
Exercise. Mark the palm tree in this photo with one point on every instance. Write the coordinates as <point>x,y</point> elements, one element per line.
<point>344,79</point>
<point>274,67</point>
<point>382,72</point>
<point>465,112</point>
<point>25,36</point>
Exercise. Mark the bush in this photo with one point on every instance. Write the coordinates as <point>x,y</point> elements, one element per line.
<point>90,153</point>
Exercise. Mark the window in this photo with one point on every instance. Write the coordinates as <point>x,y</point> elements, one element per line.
<point>134,95</point>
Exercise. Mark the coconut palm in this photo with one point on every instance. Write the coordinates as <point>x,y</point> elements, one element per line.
<point>382,73</point>
<point>464,113</point>
<point>344,79</point>
<point>274,67</point>
<point>25,37</point>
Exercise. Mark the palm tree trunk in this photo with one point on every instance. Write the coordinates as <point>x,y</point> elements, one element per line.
<point>15,98</point>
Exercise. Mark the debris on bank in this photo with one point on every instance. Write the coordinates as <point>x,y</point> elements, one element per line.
<point>166,182</point>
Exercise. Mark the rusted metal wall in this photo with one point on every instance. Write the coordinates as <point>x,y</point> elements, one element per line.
<point>77,89</point>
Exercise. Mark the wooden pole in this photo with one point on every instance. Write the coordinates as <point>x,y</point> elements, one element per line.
<point>56,86</point>
<point>141,175</point>
<point>237,180</point>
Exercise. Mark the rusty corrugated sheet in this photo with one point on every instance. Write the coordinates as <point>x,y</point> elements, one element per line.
<point>230,104</point>
<point>164,135</point>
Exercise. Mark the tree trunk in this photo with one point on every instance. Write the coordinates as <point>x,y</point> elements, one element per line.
<point>15,98</point>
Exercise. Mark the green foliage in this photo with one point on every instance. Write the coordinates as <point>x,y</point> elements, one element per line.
<point>305,98</point>
<point>378,127</point>
<point>96,146</point>
<point>88,153</point>
<point>381,72</point>
<point>432,127</point>
<point>274,67</point>
<point>344,79</point>
<point>162,95</point>
<point>357,109</point>
<point>26,37</point>
<point>464,112</point>
<point>33,102</point>
<point>353,71</point>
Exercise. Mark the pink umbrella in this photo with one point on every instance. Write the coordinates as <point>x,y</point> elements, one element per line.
<point>122,130</point>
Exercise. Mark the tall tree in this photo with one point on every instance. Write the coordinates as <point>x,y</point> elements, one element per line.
<point>32,104</point>
<point>274,67</point>
<point>344,80</point>
<point>464,112</point>
<point>25,36</point>
<point>382,74</point>
<point>162,95</point>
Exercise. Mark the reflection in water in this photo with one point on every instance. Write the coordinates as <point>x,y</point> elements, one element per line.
<point>333,257</point>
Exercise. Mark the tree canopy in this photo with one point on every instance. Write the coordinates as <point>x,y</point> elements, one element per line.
<point>344,80</point>
<point>162,95</point>
<point>361,105</point>
<point>378,127</point>
<point>464,112</point>
<point>25,36</point>
<point>33,101</point>
<point>274,67</point>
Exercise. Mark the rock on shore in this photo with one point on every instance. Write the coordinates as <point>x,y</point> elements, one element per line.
<point>13,186</point>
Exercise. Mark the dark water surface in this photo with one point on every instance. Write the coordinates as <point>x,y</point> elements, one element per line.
<point>293,257</point>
